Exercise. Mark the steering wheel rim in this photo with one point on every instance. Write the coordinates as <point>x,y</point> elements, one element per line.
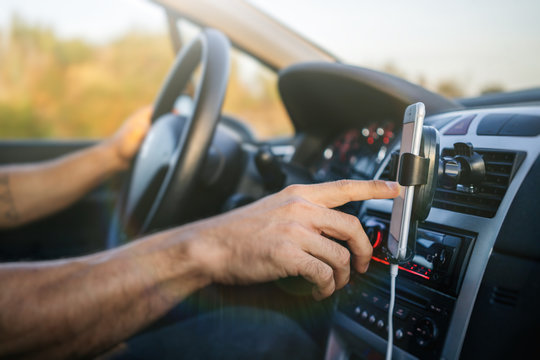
<point>173,151</point>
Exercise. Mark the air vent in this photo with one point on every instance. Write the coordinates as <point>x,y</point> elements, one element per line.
<point>500,168</point>
<point>504,296</point>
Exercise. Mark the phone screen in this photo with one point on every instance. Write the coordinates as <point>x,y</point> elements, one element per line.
<point>402,208</point>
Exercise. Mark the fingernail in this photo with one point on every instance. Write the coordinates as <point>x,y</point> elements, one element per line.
<point>392,185</point>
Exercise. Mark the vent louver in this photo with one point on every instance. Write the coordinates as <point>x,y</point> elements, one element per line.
<point>500,168</point>
<point>504,296</point>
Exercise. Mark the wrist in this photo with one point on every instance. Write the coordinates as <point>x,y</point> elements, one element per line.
<point>113,160</point>
<point>177,261</point>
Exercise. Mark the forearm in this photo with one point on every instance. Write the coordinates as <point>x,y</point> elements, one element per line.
<point>29,192</point>
<point>84,306</point>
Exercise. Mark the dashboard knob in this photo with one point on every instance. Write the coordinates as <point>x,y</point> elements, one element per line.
<point>270,169</point>
<point>364,315</point>
<point>426,331</point>
<point>451,169</point>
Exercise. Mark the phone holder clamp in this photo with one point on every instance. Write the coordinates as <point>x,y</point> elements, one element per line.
<point>420,171</point>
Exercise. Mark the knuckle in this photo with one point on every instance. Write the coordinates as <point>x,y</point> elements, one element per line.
<point>290,228</point>
<point>371,189</point>
<point>368,250</point>
<point>353,222</point>
<point>283,249</point>
<point>346,187</point>
<point>294,189</point>
<point>379,186</point>
<point>361,234</point>
<point>298,204</point>
<point>326,274</point>
<point>344,184</point>
<point>344,258</point>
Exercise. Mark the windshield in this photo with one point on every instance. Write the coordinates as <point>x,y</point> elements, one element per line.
<point>458,48</point>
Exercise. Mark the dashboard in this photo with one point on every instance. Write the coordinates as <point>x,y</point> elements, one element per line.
<point>445,286</point>
<point>472,287</point>
<point>356,153</point>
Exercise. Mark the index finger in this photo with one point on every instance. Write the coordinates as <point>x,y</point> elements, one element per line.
<point>337,193</point>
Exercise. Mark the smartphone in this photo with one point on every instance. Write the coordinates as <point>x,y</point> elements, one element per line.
<point>400,223</point>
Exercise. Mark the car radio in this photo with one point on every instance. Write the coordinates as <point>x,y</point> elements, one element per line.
<point>439,256</point>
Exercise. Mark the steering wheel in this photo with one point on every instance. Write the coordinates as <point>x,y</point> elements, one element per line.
<point>171,156</point>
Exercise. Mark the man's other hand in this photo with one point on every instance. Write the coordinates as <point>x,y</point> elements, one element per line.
<point>285,234</point>
<point>126,141</point>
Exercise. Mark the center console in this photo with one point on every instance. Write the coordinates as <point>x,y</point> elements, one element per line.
<point>445,289</point>
<point>426,290</point>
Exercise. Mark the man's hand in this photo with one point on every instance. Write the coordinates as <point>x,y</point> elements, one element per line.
<point>286,235</point>
<point>126,141</point>
<point>32,191</point>
<point>80,307</point>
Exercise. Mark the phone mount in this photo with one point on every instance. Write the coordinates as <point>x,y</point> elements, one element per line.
<point>461,172</point>
<point>420,171</point>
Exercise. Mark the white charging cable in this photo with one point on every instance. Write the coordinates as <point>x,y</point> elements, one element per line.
<point>389,346</point>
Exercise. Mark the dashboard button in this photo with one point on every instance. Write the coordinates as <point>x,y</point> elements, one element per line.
<point>491,124</point>
<point>399,334</point>
<point>372,319</point>
<point>425,331</point>
<point>383,305</point>
<point>400,312</point>
<point>364,315</point>
<point>380,324</point>
<point>521,125</point>
<point>461,127</point>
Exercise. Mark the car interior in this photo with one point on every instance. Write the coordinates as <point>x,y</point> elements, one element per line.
<point>470,290</point>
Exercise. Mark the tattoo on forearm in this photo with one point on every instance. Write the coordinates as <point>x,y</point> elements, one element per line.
<point>7,204</point>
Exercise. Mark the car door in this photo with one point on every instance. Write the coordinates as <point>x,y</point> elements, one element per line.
<point>70,73</point>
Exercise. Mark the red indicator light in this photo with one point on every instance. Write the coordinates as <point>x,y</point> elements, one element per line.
<point>386,140</point>
<point>378,240</point>
<point>401,268</point>
<point>370,140</point>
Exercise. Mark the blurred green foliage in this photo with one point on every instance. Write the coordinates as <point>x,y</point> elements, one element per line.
<point>51,87</point>
<point>66,88</point>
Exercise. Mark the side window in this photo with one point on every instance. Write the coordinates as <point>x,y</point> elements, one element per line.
<point>71,69</point>
<point>252,94</point>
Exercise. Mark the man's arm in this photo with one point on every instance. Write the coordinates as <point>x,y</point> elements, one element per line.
<point>32,191</point>
<point>83,306</point>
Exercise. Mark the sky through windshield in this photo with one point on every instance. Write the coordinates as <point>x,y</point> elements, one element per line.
<point>458,48</point>
<point>462,46</point>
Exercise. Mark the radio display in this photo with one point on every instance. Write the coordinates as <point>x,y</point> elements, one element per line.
<point>438,256</point>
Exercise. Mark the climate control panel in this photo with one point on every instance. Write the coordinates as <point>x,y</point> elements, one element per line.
<point>420,320</point>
